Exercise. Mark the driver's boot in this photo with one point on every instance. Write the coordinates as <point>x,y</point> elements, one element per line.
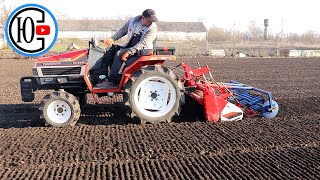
<point>106,84</point>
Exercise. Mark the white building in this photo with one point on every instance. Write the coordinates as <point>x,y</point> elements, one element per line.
<point>304,53</point>
<point>216,53</point>
<point>172,31</point>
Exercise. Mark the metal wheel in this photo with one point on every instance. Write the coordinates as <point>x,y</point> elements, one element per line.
<point>60,109</point>
<point>154,94</point>
<point>273,113</point>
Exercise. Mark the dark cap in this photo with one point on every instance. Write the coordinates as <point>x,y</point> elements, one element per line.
<point>150,15</point>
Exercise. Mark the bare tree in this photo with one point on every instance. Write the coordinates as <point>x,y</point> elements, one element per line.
<point>309,37</point>
<point>217,34</point>
<point>4,14</point>
<point>254,32</point>
<point>200,19</point>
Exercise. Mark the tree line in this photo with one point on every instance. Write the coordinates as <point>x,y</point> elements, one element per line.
<point>255,34</point>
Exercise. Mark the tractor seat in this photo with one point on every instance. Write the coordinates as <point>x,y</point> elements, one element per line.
<point>158,51</point>
<point>165,50</point>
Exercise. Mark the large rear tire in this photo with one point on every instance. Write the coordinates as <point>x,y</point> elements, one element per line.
<point>154,94</point>
<point>60,109</point>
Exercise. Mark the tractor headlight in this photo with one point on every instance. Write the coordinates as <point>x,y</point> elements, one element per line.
<point>34,72</point>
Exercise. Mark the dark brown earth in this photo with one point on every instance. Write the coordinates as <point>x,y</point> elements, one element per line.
<point>107,144</point>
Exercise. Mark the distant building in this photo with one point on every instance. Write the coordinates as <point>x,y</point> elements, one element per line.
<point>182,31</point>
<point>216,53</point>
<point>106,28</point>
<point>304,53</point>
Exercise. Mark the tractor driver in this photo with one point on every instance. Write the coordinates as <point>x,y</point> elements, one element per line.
<point>141,31</point>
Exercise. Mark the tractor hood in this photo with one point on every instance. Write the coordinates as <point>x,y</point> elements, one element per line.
<point>64,59</point>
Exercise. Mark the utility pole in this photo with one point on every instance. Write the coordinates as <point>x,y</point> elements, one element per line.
<point>232,36</point>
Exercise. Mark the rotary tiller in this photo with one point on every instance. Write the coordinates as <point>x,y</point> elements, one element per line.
<point>226,101</point>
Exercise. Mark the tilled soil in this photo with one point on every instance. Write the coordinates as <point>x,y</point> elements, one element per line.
<point>107,144</point>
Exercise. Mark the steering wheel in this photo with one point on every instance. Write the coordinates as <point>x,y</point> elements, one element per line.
<point>94,42</point>
<point>95,45</point>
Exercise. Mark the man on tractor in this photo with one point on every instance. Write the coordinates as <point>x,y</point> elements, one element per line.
<point>142,32</point>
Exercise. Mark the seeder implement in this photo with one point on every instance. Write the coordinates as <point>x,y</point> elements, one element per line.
<point>226,101</point>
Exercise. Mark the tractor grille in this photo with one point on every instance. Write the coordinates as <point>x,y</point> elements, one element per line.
<point>61,71</point>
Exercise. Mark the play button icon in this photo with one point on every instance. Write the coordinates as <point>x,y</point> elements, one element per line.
<point>43,30</point>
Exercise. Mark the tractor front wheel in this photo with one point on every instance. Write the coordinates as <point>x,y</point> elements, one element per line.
<point>154,94</point>
<point>60,109</point>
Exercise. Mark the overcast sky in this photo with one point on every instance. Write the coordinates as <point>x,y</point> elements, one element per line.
<point>297,16</point>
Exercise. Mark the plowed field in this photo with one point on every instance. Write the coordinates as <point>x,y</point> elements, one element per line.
<point>107,144</point>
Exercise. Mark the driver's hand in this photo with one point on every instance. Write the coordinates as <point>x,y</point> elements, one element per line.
<point>125,56</point>
<point>108,41</point>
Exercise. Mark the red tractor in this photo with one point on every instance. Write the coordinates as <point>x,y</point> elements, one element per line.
<point>153,92</point>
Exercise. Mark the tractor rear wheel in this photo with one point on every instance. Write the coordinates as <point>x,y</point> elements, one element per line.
<point>154,94</point>
<point>60,109</point>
